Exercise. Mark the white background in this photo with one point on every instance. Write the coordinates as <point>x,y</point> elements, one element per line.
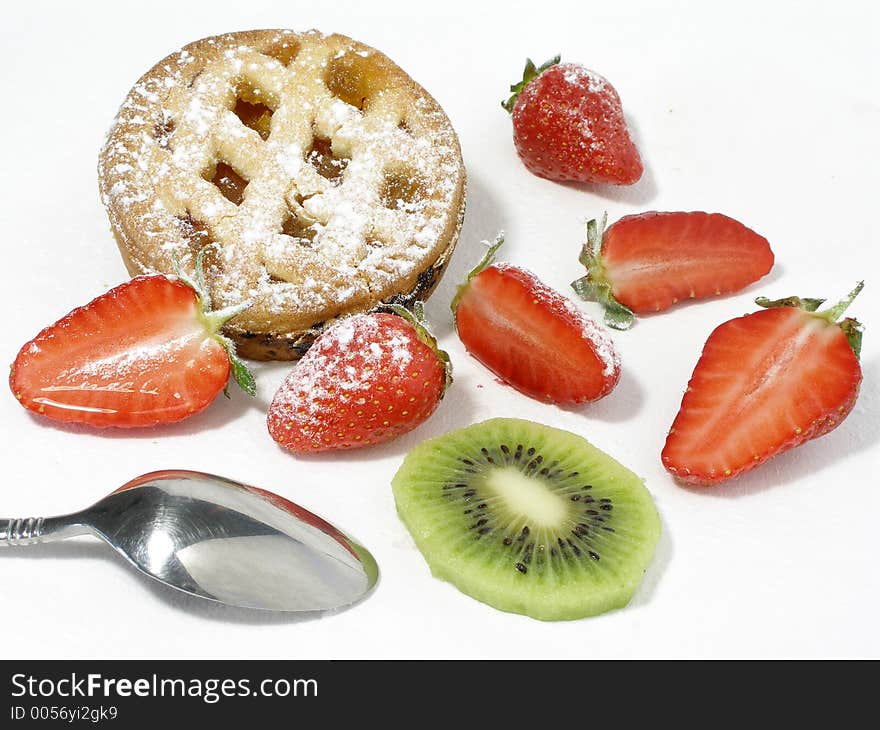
<point>765,111</point>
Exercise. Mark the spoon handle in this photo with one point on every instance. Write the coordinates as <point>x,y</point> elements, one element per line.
<point>34,530</point>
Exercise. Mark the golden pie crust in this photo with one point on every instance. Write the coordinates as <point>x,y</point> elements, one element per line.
<point>318,177</point>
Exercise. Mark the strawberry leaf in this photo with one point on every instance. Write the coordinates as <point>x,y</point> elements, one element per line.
<point>530,73</point>
<point>591,252</point>
<point>617,315</point>
<point>832,314</point>
<point>808,305</point>
<point>240,372</point>
<point>852,328</point>
<point>196,282</point>
<point>484,263</point>
<point>214,321</point>
<point>201,284</point>
<point>594,287</point>
<point>416,318</point>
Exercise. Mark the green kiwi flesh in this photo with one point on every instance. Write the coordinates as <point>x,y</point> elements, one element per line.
<point>527,518</point>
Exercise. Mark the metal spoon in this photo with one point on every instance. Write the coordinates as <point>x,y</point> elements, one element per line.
<point>218,539</point>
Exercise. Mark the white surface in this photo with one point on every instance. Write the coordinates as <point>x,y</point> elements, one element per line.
<point>767,112</point>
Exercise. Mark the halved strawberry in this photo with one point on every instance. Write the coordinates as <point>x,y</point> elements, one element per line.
<point>648,262</point>
<point>531,336</point>
<point>146,352</point>
<point>367,379</point>
<point>765,383</point>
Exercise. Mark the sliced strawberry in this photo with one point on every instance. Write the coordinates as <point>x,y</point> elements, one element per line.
<point>143,353</point>
<point>367,379</point>
<point>765,383</point>
<point>532,337</point>
<point>648,262</point>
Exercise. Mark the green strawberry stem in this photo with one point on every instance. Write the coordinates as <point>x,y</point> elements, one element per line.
<point>416,318</point>
<point>485,262</point>
<point>808,305</point>
<point>832,314</point>
<point>594,287</point>
<point>852,328</point>
<point>530,73</point>
<point>215,320</point>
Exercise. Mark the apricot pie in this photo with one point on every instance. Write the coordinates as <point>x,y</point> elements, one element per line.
<point>323,180</point>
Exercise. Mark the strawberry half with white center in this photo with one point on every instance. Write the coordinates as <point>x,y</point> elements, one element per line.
<point>531,336</point>
<point>147,352</point>
<point>765,383</point>
<point>367,379</point>
<point>568,125</point>
<point>648,262</point>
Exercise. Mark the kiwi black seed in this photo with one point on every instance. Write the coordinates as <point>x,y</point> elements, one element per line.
<point>528,518</point>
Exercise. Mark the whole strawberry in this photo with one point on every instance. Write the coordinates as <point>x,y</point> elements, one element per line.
<point>568,125</point>
<point>765,383</point>
<point>367,379</point>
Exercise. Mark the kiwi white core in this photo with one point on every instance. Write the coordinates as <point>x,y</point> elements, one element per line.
<point>526,496</point>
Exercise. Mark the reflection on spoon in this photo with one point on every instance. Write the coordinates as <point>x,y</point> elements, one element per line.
<point>218,539</point>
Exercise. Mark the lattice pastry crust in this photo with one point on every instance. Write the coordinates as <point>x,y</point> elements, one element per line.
<point>326,179</point>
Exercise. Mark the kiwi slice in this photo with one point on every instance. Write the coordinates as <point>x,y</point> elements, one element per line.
<point>527,518</point>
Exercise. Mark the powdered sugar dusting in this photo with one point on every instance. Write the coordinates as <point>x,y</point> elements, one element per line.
<point>587,114</point>
<point>584,77</point>
<point>597,86</point>
<point>318,229</point>
<point>366,379</point>
<point>342,364</point>
<point>594,334</point>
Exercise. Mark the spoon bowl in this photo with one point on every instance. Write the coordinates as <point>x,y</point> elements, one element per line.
<point>220,540</point>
